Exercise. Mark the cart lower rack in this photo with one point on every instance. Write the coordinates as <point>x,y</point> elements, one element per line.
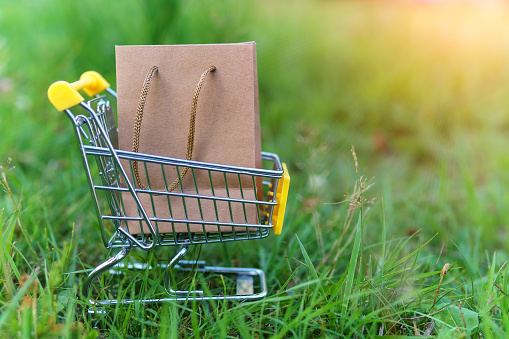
<point>131,216</point>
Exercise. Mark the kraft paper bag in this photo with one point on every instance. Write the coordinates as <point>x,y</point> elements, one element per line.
<point>227,129</point>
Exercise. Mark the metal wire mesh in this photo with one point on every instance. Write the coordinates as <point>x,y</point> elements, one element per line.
<point>213,203</point>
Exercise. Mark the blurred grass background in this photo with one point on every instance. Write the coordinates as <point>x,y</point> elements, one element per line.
<point>419,88</point>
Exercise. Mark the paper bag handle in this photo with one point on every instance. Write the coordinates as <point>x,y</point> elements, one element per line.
<point>139,116</point>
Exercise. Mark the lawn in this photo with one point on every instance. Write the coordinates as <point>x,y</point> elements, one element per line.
<point>392,116</point>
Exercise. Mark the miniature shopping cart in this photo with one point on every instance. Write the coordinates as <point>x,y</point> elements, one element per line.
<point>113,184</point>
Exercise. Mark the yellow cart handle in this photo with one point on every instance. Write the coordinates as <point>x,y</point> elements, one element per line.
<point>278,215</point>
<point>64,95</point>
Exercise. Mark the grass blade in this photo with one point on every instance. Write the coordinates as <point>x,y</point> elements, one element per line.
<point>352,266</point>
<point>309,263</point>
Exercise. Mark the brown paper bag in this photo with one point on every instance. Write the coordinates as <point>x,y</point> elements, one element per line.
<point>227,129</point>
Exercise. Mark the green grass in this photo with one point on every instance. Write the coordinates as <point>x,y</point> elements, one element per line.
<point>420,89</point>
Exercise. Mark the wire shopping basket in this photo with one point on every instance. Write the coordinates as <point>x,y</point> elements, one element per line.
<point>114,189</point>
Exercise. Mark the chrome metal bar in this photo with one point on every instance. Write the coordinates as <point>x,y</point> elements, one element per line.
<point>185,195</point>
<point>112,92</point>
<point>187,221</point>
<point>101,269</point>
<point>114,266</point>
<point>169,279</point>
<point>95,150</point>
<point>128,183</point>
<point>87,171</point>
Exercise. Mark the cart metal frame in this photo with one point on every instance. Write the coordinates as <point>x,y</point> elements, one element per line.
<point>96,130</point>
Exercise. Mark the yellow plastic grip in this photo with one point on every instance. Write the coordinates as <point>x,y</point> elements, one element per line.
<point>64,95</point>
<point>278,215</point>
